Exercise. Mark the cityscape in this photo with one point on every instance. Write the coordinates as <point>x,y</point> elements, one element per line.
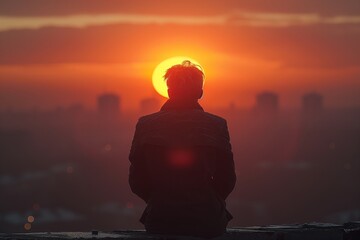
<point>76,76</point>
<point>66,169</point>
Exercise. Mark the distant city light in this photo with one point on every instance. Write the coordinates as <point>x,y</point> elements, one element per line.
<point>31,219</point>
<point>27,226</point>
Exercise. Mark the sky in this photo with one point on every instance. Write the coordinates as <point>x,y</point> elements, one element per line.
<point>56,53</point>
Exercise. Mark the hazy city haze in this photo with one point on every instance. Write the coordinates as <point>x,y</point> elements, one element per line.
<point>76,75</point>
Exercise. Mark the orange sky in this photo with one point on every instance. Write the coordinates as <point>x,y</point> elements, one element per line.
<point>60,52</point>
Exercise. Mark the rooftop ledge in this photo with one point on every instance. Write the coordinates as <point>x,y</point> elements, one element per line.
<point>318,231</point>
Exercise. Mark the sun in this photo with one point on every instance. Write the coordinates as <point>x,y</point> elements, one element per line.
<point>159,72</point>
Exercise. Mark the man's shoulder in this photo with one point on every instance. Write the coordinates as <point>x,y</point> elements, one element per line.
<point>215,117</point>
<point>191,114</point>
<point>193,127</point>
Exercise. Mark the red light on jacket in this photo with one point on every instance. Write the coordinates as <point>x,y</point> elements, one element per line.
<point>181,158</point>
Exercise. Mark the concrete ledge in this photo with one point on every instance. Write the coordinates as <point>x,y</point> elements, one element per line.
<point>310,231</point>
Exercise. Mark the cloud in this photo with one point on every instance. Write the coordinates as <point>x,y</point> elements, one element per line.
<point>267,19</point>
<point>319,45</point>
<point>80,21</point>
<point>255,19</point>
<point>174,7</point>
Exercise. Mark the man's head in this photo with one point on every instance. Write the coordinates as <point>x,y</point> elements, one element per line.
<point>184,81</point>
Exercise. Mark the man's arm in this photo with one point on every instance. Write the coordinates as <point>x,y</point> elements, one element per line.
<point>138,176</point>
<point>225,176</point>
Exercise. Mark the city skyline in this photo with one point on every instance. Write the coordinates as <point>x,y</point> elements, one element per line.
<point>262,100</point>
<point>305,156</point>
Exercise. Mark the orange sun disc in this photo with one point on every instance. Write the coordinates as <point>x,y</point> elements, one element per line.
<point>160,70</point>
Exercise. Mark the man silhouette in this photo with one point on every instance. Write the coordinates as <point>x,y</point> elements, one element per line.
<point>181,161</point>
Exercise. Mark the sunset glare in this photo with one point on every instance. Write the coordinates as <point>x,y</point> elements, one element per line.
<point>160,70</point>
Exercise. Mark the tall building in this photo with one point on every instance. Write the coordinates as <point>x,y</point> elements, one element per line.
<point>267,102</point>
<point>108,104</point>
<point>312,102</point>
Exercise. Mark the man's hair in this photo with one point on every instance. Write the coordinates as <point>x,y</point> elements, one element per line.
<point>185,80</point>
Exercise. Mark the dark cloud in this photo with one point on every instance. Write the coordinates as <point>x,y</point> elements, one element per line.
<point>174,7</point>
<point>306,46</point>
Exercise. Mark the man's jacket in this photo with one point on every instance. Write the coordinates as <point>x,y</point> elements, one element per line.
<point>182,167</point>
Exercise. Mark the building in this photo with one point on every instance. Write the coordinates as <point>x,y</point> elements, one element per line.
<point>267,102</point>
<point>108,104</point>
<point>312,102</point>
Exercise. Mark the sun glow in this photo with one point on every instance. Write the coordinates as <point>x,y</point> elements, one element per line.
<point>159,72</point>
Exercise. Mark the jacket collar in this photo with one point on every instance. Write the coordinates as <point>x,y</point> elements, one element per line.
<point>177,105</point>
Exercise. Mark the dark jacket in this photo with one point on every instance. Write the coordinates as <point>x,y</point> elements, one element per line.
<point>182,167</point>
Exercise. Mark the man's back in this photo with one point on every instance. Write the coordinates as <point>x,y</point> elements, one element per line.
<point>182,166</point>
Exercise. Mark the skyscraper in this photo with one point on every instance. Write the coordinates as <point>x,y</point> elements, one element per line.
<point>312,102</point>
<point>108,104</point>
<point>267,102</point>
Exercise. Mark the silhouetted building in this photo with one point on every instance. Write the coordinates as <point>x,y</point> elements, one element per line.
<point>312,102</point>
<point>149,105</point>
<point>267,102</point>
<point>109,104</point>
